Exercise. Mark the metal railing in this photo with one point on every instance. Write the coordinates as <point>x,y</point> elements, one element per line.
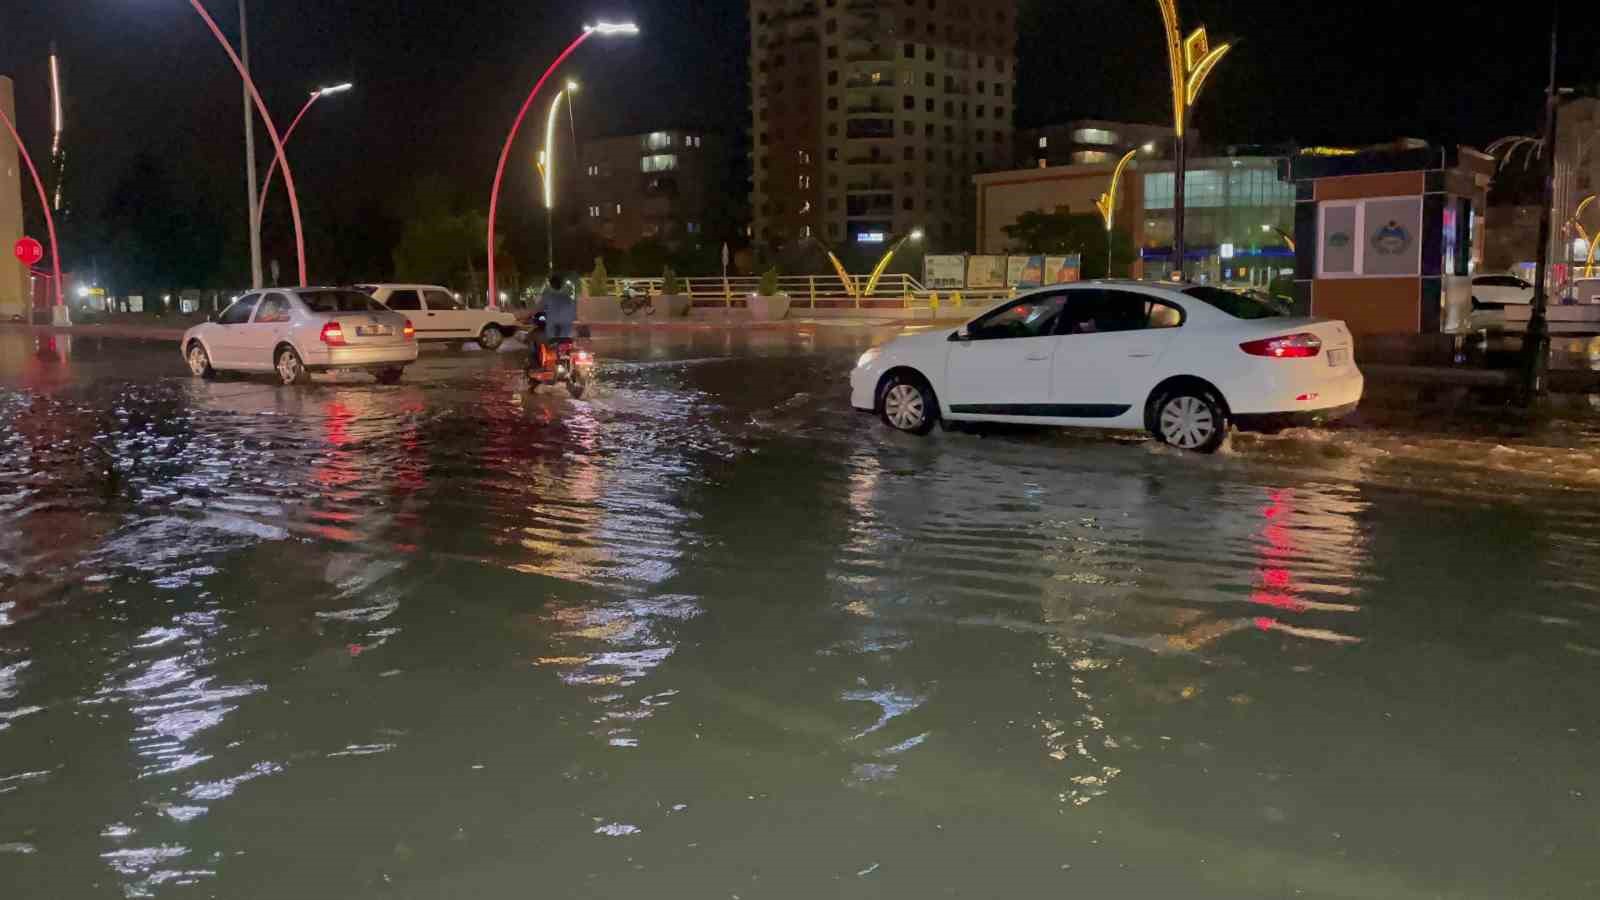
<point>893,292</point>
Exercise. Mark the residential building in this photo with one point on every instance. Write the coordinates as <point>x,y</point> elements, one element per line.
<point>1088,142</point>
<point>1237,212</point>
<point>870,116</point>
<point>661,184</point>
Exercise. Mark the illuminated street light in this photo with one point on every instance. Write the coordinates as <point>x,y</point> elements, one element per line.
<point>1190,60</point>
<point>602,28</point>
<point>1107,204</point>
<point>318,94</point>
<point>272,132</point>
<point>1287,239</point>
<point>547,171</point>
<point>883,264</point>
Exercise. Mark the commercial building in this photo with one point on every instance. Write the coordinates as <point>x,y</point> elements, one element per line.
<point>661,184</point>
<point>1088,142</point>
<point>870,116</point>
<point>13,277</point>
<point>1389,237</point>
<point>1238,212</point>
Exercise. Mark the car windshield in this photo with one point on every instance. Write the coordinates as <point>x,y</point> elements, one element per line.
<point>1240,306</point>
<point>338,301</point>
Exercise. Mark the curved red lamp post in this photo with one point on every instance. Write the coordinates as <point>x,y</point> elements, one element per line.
<point>272,131</point>
<point>44,201</point>
<point>272,170</point>
<point>603,28</point>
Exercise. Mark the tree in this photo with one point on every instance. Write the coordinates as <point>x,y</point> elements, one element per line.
<point>1063,233</point>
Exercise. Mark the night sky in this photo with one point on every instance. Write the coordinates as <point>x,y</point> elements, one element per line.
<point>438,82</point>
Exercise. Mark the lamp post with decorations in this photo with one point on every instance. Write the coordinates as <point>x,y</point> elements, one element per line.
<point>1190,60</point>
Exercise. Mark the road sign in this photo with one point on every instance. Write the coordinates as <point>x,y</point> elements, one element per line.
<point>28,251</point>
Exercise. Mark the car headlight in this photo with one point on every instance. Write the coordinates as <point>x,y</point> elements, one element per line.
<point>867,358</point>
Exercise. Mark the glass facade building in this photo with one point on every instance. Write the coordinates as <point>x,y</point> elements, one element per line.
<point>1237,212</point>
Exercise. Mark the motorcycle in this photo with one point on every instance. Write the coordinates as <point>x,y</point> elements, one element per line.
<point>632,302</point>
<point>563,362</point>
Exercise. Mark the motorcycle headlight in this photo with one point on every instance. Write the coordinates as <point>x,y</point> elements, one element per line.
<point>867,358</point>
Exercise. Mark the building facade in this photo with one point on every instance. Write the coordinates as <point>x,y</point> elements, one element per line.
<point>1088,142</point>
<point>13,278</point>
<point>1238,212</point>
<point>871,116</point>
<point>661,185</point>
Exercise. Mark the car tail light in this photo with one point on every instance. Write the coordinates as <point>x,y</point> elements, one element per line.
<point>410,331</point>
<point>583,357</point>
<point>1289,346</point>
<point>333,334</point>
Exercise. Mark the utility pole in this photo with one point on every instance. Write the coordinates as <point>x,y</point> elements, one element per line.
<point>1536,342</point>
<point>256,280</point>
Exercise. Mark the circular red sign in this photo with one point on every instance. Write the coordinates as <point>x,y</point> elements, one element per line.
<point>28,251</point>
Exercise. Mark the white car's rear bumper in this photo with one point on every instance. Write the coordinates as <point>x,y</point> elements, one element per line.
<point>378,357</point>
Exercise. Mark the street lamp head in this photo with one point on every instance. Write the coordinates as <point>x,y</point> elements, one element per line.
<point>572,86</point>
<point>1266,228</point>
<point>625,28</point>
<point>1149,147</point>
<point>335,89</point>
<point>916,234</point>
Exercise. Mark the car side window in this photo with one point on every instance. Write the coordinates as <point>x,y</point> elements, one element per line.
<point>274,309</point>
<point>441,300</point>
<point>1165,315</point>
<point>1027,317</point>
<point>404,300</point>
<point>1100,311</point>
<point>239,312</point>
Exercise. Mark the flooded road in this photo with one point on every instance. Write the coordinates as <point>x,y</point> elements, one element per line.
<point>707,633</point>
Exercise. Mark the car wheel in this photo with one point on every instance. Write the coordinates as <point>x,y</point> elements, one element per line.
<point>290,369</point>
<point>390,376</point>
<point>200,361</point>
<point>907,404</point>
<point>1190,419</point>
<point>490,338</point>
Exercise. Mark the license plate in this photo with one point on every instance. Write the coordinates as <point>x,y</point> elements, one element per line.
<point>372,330</point>
<point>1337,358</point>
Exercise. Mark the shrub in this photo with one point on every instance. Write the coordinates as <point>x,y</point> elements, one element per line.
<point>769,283</point>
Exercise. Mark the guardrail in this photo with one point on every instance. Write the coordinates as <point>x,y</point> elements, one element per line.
<point>898,291</point>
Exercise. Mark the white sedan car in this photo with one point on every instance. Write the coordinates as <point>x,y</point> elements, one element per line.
<point>439,316</point>
<point>1182,361</point>
<point>297,331</point>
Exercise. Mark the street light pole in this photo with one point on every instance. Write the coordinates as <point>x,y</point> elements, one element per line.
<point>44,201</point>
<point>1107,204</point>
<point>547,172</point>
<point>602,28</point>
<point>272,132</point>
<point>250,150</point>
<point>1190,61</point>
<point>1536,342</point>
<point>914,234</point>
<point>272,170</point>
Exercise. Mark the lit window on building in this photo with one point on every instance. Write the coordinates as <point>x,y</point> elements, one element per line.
<point>619,209</point>
<point>658,140</point>
<point>1094,136</point>
<point>660,162</point>
<point>1044,143</point>
<point>1091,157</point>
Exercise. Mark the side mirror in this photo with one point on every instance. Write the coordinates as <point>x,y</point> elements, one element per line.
<point>961,336</point>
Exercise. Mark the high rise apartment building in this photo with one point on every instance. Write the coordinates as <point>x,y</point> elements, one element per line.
<point>870,117</point>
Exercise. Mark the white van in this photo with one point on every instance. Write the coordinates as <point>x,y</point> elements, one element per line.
<point>439,316</point>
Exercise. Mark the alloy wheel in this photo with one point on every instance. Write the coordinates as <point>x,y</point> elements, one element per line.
<point>197,360</point>
<point>1187,422</point>
<point>288,367</point>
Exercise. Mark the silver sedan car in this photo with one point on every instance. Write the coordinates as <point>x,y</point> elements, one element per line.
<point>296,331</point>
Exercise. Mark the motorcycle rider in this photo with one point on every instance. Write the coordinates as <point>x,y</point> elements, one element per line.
<point>560,311</point>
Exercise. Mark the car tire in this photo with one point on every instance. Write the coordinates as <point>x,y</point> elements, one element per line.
<point>200,361</point>
<point>389,376</point>
<point>290,368</point>
<point>1190,418</point>
<point>491,338</point>
<point>907,404</point>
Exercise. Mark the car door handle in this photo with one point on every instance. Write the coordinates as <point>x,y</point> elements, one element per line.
<point>1140,355</point>
<point>1038,356</point>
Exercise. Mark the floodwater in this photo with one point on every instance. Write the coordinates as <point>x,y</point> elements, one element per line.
<point>709,634</point>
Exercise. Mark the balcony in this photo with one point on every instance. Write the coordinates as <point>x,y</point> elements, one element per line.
<point>868,52</point>
<point>870,108</point>
<point>869,161</point>
<point>869,129</point>
<point>870,186</point>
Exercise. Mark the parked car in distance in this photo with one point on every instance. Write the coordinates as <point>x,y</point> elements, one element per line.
<point>1181,361</point>
<point>296,331</point>
<point>1491,294</point>
<point>439,316</point>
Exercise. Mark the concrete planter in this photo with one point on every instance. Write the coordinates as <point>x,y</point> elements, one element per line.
<point>768,309</point>
<point>599,309</point>
<point>672,306</point>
